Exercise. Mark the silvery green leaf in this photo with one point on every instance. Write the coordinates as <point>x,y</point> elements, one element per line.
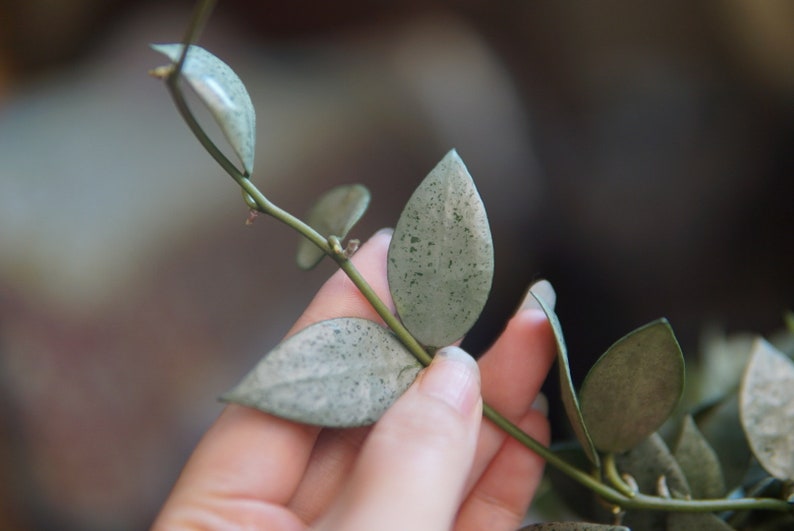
<point>334,214</point>
<point>224,94</point>
<point>766,409</point>
<point>567,391</point>
<point>699,462</point>
<point>633,387</point>
<point>440,262</point>
<point>338,373</point>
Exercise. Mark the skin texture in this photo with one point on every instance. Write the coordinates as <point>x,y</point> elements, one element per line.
<point>430,463</point>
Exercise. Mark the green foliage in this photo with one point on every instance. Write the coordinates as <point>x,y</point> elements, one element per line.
<point>337,373</point>
<point>730,463</point>
<point>335,213</point>
<point>570,400</point>
<point>633,388</point>
<point>224,94</point>
<point>440,263</point>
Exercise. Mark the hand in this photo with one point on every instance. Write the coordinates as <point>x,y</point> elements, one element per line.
<point>430,463</point>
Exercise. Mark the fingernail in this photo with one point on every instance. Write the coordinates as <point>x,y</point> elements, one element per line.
<point>541,403</point>
<point>544,290</point>
<point>454,378</point>
<point>384,230</point>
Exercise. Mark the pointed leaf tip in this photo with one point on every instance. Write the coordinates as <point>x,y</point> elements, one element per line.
<point>222,92</point>
<point>440,262</point>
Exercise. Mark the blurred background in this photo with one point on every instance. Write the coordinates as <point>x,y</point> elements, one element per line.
<point>637,154</point>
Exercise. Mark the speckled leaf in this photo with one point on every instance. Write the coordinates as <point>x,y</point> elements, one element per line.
<point>338,373</point>
<point>572,526</point>
<point>699,462</point>
<point>334,214</point>
<point>224,94</point>
<point>633,388</point>
<point>440,264</point>
<point>567,390</point>
<point>766,409</point>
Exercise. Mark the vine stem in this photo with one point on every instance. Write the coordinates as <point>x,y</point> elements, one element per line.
<point>255,196</point>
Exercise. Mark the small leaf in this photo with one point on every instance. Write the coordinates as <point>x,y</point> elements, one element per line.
<point>224,94</point>
<point>573,526</point>
<point>338,373</point>
<point>567,391</point>
<point>334,214</point>
<point>440,264</point>
<point>699,462</point>
<point>719,423</point>
<point>652,466</point>
<point>766,409</point>
<point>633,387</point>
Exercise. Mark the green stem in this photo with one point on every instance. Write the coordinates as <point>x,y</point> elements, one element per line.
<point>620,497</point>
<point>611,471</point>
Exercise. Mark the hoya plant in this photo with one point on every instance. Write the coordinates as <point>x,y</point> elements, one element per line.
<point>639,459</point>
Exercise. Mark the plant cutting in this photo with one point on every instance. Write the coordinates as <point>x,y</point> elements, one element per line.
<point>638,459</point>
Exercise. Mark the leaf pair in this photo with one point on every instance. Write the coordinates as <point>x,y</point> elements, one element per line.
<point>347,371</point>
<point>630,391</point>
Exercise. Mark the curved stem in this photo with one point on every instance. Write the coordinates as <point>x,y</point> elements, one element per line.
<point>611,471</point>
<point>623,497</point>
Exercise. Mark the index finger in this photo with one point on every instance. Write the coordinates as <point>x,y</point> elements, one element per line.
<point>251,455</point>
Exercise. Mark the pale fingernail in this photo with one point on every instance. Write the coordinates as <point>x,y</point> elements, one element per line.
<point>454,378</point>
<point>542,289</point>
<point>541,404</point>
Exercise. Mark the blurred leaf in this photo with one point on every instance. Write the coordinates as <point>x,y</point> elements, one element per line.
<point>440,264</point>
<point>633,387</point>
<point>334,214</point>
<point>648,462</point>
<point>567,391</point>
<point>224,94</point>
<point>698,521</point>
<point>699,462</point>
<point>766,409</point>
<point>720,426</point>
<point>575,496</point>
<point>338,373</point>
<point>573,526</point>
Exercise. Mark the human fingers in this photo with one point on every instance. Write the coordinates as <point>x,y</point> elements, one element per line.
<point>413,467</point>
<point>505,474</point>
<point>250,461</point>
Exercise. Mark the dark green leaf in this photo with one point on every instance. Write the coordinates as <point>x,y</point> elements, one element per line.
<point>720,426</point>
<point>633,388</point>
<point>224,94</point>
<point>766,408</point>
<point>699,462</point>
<point>440,264</point>
<point>568,393</point>
<point>338,373</point>
<point>334,214</point>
